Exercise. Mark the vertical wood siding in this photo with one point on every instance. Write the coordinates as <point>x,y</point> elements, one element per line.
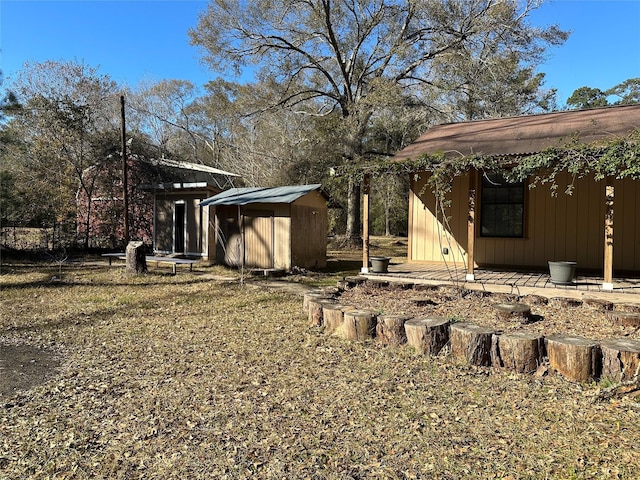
<point>565,227</point>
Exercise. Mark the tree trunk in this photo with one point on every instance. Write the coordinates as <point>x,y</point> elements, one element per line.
<point>521,352</point>
<point>390,329</point>
<point>575,358</point>
<point>136,258</point>
<point>427,335</point>
<point>359,325</point>
<point>471,342</point>
<point>621,359</point>
<point>353,211</point>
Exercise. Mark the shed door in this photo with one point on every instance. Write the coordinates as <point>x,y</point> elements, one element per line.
<point>258,239</point>
<point>179,226</point>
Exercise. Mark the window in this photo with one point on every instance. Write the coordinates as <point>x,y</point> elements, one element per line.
<point>502,207</point>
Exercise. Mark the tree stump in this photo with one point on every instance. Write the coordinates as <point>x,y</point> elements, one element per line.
<point>471,342</point>
<point>533,299</point>
<point>512,312</point>
<point>316,295</point>
<point>333,316</point>
<point>575,358</point>
<point>626,319</point>
<point>425,287</point>
<point>422,302</point>
<point>521,352</point>
<point>597,303</point>
<point>427,335</point>
<point>377,284</point>
<point>621,359</point>
<point>628,307</point>
<point>390,329</point>
<point>401,285</point>
<point>564,302</point>
<point>359,325</point>
<point>354,281</point>
<point>136,258</point>
<point>316,312</point>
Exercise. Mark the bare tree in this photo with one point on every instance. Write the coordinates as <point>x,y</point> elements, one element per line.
<point>344,56</point>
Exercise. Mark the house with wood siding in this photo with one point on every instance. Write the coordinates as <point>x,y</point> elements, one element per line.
<point>490,222</point>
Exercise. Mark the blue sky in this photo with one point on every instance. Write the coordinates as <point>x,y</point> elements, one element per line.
<point>133,40</point>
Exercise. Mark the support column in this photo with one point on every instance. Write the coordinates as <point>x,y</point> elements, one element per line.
<point>471,227</point>
<point>366,190</point>
<point>608,237</point>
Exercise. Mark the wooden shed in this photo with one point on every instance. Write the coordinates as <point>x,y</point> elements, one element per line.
<point>279,227</point>
<point>491,222</point>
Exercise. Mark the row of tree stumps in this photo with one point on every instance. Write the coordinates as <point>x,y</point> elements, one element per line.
<point>576,358</point>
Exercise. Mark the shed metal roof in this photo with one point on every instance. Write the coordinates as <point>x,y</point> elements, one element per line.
<point>525,134</point>
<point>245,196</point>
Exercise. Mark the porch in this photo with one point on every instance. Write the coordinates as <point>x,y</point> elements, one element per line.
<point>510,281</point>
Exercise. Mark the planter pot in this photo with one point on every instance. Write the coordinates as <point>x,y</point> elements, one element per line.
<point>380,264</point>
<point>562,273</point>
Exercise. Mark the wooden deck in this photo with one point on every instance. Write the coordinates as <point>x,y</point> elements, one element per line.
<point>515,280</point>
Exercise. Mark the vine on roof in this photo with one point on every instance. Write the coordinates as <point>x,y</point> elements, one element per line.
<point>617,158</point>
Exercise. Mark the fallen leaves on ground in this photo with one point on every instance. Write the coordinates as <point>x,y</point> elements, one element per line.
<point>183,377</point>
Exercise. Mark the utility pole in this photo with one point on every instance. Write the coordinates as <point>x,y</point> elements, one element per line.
<point>125,174</point>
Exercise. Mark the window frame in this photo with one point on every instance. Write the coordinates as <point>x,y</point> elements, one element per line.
<point>499,183</point>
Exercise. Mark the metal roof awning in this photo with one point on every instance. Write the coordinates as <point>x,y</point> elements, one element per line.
<point>246,196</point>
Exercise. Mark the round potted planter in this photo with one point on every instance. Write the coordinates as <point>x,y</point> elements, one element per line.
<point>562,273</point>
<point>380,264</point>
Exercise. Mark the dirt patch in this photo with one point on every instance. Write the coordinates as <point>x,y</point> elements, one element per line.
<point>23,367</point>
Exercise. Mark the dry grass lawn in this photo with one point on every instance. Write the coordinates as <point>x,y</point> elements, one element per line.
<point>183,376</point>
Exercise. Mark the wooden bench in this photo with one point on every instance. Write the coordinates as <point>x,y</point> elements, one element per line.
<point>174,262</point>
<point>117,256</point>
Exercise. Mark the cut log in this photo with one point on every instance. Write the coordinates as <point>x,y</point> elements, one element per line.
<point>316,306</point>
<point>422,302</point>
<point>521,352</point>
<point>620,359</point>
<point>533,299</point>
<point>333,316</point>
<point>359,325</point>
<point>628,307</point>
<point>471,342</point>
<point>564,302</point>
<point>576,358</point>
<point>425,287</point>
<point>354,281</point>
<point>504,297</point>
<point>597,303</point>
<point>390,330</point>
<point>377,284</point>
<point>626,319</point>
<point>518,312</point>
<point>136,258</point>
<point>401,285</point>
<point>427,335</point>
<point>316,295</point>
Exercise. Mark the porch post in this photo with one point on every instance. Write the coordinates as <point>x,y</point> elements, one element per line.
<point>471,229</point>
<point>608,238</point>
<point>366,189</point>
